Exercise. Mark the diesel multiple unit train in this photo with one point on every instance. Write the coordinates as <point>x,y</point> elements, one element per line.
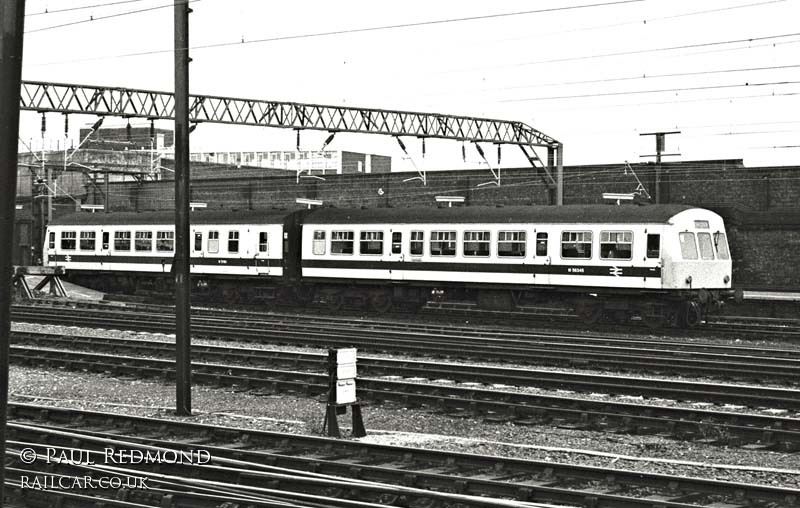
<point>663,264</point>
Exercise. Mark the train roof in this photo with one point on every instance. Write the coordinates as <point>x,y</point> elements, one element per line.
<point>272,216</point>
<point>583,214</point>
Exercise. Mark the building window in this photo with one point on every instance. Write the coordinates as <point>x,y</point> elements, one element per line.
<point>616,244</point>
<point>143,241</point>
<point>213,242</point>
<point>165,241</point>
<point>706,247</point>
<point>653,246</point>
<point>263,242</point>
<point>722,246</point>
<point>342,242</point>
<point>443,243</point>
<point>416,245</point>
<point>233,241</point>
<point>541,244</point>
<point>576,244</point>
<point>51,240</point>
<point>68,240</point>
<point>371,242</point>
<point>688,246</point>
<point>476,243</point>
<point>397,243</point>
<point>511,244</point>
<point>122,240</point>
<point>318,244</point>
<point>87,240</point>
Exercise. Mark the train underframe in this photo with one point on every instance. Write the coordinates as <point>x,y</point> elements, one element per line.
<point>592,305</point>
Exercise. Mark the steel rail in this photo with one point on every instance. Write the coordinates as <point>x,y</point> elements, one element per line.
<point>525,480</point>
<point>724,427</point>
<point>752,396</point>
<point>733,363</point>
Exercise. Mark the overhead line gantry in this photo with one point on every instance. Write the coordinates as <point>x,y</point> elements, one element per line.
<point>68,98</point>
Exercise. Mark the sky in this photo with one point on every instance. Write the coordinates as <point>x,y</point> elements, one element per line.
<point>592,74</point>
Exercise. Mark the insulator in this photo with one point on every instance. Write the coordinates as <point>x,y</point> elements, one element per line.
<point>402,146</point>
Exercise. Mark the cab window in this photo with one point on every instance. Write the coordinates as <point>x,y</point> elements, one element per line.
<point>706,249</point>
<point>721,243</point>
<point>688,246</point>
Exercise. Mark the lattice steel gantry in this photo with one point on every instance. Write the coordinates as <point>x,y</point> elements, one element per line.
<point>135,103</point>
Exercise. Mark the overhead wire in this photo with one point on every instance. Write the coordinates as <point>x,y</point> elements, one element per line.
<point>83,7</point>
<point>109,16</point>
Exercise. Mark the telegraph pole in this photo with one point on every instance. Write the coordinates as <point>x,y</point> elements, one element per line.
<point>180,266</point>
<point>659,149</point>
<point>12,20</point>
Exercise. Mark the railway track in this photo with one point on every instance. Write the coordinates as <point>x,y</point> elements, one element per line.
<point>375,367</point>
<point>560,318</point>
<point>346,471</point>
<point>442,341</point>
<point>494,405</point>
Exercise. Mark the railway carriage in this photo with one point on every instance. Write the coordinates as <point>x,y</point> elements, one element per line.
<point>135,250</point>
<point>658,263</point>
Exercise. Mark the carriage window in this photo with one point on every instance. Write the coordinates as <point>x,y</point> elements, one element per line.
<point>541,244</point>
<point>706,249</point>
<point>263,242</point>
<point>105,240</point>
<point>143,241</point>
<point>511,244</point>
<point>213,242</point>
<point>318,245</point>
<point>198,241</point>
<point>416,245</point>
<point>51,240</point>
<point>653,246</point>
<point>397,243</point>
<point>165,241</point>
<point>122,240</point>
<point>87,240</point>
<point>616,244</point>
<point>233,241</point>
<point>576,244</point>
<point>443,243</point>
<point>371,242</point>
<point>688,246</point>
<point>68,240</point>
<point>342,242</point>
<point>722,246</point>
<point>476,243</point>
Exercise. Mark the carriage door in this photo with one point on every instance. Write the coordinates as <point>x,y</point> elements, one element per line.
<point>262,252</point>
<point>542,259</point>
<point>395,256</point>
<point>105,246</point>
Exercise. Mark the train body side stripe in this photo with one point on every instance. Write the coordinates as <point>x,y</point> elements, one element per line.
<point>613,271</point>
<point>167,260</point>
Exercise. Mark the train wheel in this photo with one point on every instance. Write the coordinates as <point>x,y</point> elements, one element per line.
<point>334,301</point>
<point>381,302</point>
<point>691,314</point>
<point>231,296</point>
<point>589,312</point>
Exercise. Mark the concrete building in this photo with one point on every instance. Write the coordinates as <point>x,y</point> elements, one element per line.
<point>328,162</point>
